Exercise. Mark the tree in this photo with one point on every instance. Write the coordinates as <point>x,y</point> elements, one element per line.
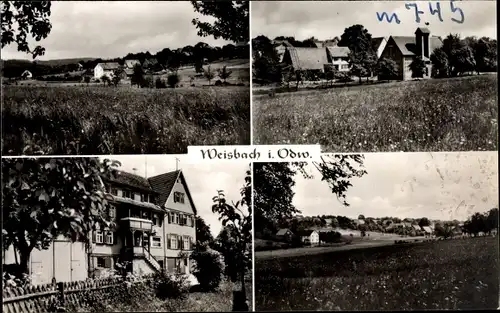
<point>330,73</point>
<point>386,69</point>
<point>117,76</point>
<point>137,75</point>
<point>440,65</point>
<point>417,67</point>
<point>232,215</point>
<point>273,182</point>
<point>424,221</point>
<point>361,217</point>
<point>86,79</point>
<point>198,65</point>
<point>231,20</point>
<point>203,233</point>
<point>209,74</point>
<point>21,19</point>
<point>173,79</point>
<point>226,244</point>
<point>208,266</point>
<point>492,220</point>
<point>46,197</point>
<point>362,56</point>
<point>266,60</point>
<point>224,73</point>
<point>105,80</point>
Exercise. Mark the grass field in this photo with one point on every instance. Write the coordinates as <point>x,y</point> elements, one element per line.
<point>450,274</point>
<point>109,120</point>
<point>458,114</point>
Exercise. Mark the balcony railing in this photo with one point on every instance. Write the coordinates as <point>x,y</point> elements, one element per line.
<point>137,223</point>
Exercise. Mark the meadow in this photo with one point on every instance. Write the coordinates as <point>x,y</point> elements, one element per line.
<point>456,114</point>
<point>448,274</point>
<point>122,120</point>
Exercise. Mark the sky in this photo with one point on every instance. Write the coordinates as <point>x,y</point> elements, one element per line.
<point>325,20</point>
<point>109,29</point>
<point>203,179</point>
<point>442,186</point>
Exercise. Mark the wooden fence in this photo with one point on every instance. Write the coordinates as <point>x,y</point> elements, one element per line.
<point>47,298</point>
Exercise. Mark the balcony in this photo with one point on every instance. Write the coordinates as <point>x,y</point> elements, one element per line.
<point>137,223</point>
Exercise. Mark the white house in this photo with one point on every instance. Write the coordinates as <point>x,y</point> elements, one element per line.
<point>309,237</point>
<point>338,56</point>
<point>26,75</point>
<point>105,69</point>
<point>131,63</point>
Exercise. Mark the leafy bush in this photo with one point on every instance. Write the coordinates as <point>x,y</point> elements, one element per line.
<point>173,79</point>
<point>168,286</point>
<point>208,267</point>
<point>160,83</point>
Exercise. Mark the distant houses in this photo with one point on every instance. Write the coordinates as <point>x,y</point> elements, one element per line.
<point>309,236</point>
<point>285,234</point>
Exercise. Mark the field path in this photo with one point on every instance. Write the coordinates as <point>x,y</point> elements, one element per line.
<point>285,253</point>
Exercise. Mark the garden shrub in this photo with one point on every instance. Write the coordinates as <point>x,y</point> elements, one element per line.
<point>208,267</point>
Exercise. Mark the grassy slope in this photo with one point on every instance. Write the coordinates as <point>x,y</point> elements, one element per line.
<point>107,120</point>
<point>435,115</point>
<point>453,274</point>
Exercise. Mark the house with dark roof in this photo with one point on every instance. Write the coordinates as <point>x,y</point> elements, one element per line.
<point>284,234</point>
<point>149,222</point>
<point>338,56</point>
<point>404,49</point>
<point>306,59</point>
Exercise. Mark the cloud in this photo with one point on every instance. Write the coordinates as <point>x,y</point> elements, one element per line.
<point>108,29</point>
<point>437,185</point>
<point>327,19</point>
<point>203,179</point>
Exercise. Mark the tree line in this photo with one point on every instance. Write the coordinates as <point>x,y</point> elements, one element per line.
<point>455,57</point>
<point>196,55</point>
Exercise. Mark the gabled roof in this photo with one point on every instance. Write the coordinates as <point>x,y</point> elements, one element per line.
<point>423,30</point>
<point>164,183</point>
<point>308,58</point>
<point>109,65</point>
<point>131,63</point>
<point>130,180</point>
<point>427,229</point>
<point>338,52</point>
<point>283,232</point>
<point>416,227</point>
<point>407,46</point>
<point>282,42</point>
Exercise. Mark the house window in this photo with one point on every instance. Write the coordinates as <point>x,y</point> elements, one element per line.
<point>101,262</point>
<point>176,220</point>
<point>112,212</point>
<point>156,242</point>
<point>345,66</point>
<point>114,191</point>
<point>99,237</point>
<point>173,242</point>
<point>178,197</point>
<point>137,196</point>
<point>127,194</point>
<point>156,220</point>
<point>189,221</point>
<point>109,238</point>
<point>186,242</point>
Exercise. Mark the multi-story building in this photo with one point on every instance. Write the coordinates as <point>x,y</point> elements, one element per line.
<point>152,227</point>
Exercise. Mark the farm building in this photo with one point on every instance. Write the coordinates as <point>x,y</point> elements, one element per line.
<point>404,49</point>
<point>428,230</point>
<point>150,63</point>
<point>26,75</point>
<point>284,234</point>
<point>129,64</point>
<point>416,228</point>
<point>306,59</point>
<point>280,46</point>
<point>358,222</point>
<point>105,69</point>
<point>154,218</point>
<point>309,237</point>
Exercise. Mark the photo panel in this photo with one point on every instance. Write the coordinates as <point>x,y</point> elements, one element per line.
<point>153,77</point>
<point>375,76</point>
<point>147,233</point>
<point>377,231</point>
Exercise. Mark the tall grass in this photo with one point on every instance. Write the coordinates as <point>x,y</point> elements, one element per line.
<point>105,120</point>
<point>459,114</point>
<point>450,274</point>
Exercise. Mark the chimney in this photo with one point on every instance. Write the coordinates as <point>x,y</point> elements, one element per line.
<point>422,41</point>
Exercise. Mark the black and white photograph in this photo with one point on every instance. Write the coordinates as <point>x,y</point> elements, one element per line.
<point>377,231</point>
<point>126,234</point>
<point>124,77</point>
<point>375,76</point>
